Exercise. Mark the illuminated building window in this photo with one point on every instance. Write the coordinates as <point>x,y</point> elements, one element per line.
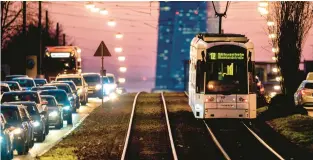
<point>182,50</point>
<point>180,22</point>
<point>179,29</point>
<point>165,58</point>
<point>187,14</point>
<point>164,66</point>
<point>187,39</point>
<point>167,41</point>
<point>165,51</point>
<point>161,37</point>
<point>168,30</point>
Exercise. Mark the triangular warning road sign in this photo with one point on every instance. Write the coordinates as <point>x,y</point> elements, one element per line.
<point>105,50</point>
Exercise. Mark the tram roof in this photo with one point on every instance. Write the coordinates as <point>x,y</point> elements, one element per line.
<point>213,37</point>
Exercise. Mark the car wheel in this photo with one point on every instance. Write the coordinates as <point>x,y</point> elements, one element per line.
<point>41,138</point>
<point>69,119</point>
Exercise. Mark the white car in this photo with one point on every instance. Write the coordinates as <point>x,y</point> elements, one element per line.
<point>304,95</point>
<point>309,76</point>
<point>112,82</point>
<point>82,86</point>
<point>5,88</point>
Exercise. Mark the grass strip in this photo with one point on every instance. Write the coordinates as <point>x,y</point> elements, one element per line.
<point>100,136</point>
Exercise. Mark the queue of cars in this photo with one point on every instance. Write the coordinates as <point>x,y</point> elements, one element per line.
<point>30,106</point>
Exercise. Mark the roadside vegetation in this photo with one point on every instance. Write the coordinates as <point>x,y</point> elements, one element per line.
<point>100,136</point>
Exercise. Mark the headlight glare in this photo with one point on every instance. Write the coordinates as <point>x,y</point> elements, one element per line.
<point>98,86</point>
<point>66,108</point>
<point>17,131</point>
<point>36,124</point>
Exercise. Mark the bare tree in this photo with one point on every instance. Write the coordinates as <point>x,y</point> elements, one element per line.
<point>293,20</point>
<point>10,12</point>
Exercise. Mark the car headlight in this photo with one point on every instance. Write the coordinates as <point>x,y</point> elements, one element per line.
<point>66,108</point>
<point>79,91</point>
<point>36,124</point>
<point>17,131</point>
<point>113,96</point>
<point>98,86</point>
<point>53,114</point>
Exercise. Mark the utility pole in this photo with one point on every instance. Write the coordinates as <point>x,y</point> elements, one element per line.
<point>64,42</point>
<point>57,34</point>
<point>47,22</point>
<point>23,56</point>
<point>40,39</point>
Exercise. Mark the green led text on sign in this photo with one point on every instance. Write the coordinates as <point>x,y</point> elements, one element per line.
<point>231,56</point>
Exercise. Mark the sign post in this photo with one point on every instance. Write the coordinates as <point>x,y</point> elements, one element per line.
<point>102,51</point>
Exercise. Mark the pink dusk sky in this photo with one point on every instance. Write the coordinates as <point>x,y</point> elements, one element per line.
<point>138,22</point>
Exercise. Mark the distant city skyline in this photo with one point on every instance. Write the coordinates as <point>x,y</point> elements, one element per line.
<point>139,24</point>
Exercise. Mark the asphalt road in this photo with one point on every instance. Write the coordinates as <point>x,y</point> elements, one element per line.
<point>55,134</point>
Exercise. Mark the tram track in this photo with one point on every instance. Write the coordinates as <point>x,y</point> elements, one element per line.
<point>149,134</point>
<point>236,140</point>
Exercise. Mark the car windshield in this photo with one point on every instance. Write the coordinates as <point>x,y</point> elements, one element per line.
<point>92,79</point>
<point>4,89</point>
<point>50,100</point>
<point>13,86</point>
<point>65,88</point>
<point>10,78</point>
<point>77,81</point>
<point>40,82</point>
<point>61,97</point>
<point>25,82</point>
<point>309,85</point>
<point>21,96</point>
<point>11,115</point>
<point>43,88</point>
<point>72,85</point>
<point>111,80</point>
<point>105,80</point>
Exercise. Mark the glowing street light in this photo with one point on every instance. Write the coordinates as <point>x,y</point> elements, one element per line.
<point>89,5</point>
<point>275,70</point>
<point>104,12</point>
<point>275,50</point>
<point>119,35</point>
<point>121,58</point>
<point>278,79</point>
<point>263,4</point>
<point>111,23</point>
<point>118,49</point>
<point>274,58</point>
<point>263,11</point>
<point>272,36</point>
<point>270,23</point>
<point>123,69</point>
<point>94,9</point>
<point>121,80</point>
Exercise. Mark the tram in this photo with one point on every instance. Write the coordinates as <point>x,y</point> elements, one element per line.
<point>222,77</point>
<point>61,60</point>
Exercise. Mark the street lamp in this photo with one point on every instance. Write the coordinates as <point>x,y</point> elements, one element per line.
<point>270,23</point>
<point>118,49</point>
<point>263,11</point>
<point>121,80</point>
<point>220,15</point>
<point>263,4</point>
<point>95,9</point>
<point>123,69</point>
<point>275,70</point>
<point>121,58</point>
<point>89,5</point>
<point>119,35</point>
<point>274,58</point>
<point>104,12</point>
<point>272,36</point>
<point>275,50</point>
<point>111,23</point>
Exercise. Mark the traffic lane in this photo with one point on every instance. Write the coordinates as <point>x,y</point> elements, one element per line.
<point>55,134</point>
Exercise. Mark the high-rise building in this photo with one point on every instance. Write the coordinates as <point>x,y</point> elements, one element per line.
<point>179,22</point>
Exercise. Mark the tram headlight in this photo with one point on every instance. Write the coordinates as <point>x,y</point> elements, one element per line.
<point>276,87</point>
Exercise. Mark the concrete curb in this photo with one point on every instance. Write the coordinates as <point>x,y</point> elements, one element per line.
<point>64,136</point>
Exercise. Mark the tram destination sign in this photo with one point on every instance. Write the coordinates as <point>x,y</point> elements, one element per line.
<point>226,56</point>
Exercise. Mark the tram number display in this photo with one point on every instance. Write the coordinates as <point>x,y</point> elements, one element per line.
<point>226,56</point>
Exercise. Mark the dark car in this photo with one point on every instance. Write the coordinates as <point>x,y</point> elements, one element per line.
<point>14,86</point>
<point>40,81</point>
<point>25,82</point>
<point>39,122</point>
<point>6,139</point>
<point>5,88</point>
<point>62,98</point>
<point>18,117</point>
<point>55,111</point>
<point>94,84</point>
<point>71,95</point>
<point>11,77</point>
<point>74,89</point>
<point>31,96</point>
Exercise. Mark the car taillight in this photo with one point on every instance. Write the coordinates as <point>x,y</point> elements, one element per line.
<point>242,100</point>
<point>259,84</point>
<point>305,92</point>
<point>210,99</point>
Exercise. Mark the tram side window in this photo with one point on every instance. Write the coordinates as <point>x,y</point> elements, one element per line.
<point>200,77</point>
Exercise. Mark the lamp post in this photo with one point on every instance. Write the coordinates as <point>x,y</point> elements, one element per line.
<point>220,15</point>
